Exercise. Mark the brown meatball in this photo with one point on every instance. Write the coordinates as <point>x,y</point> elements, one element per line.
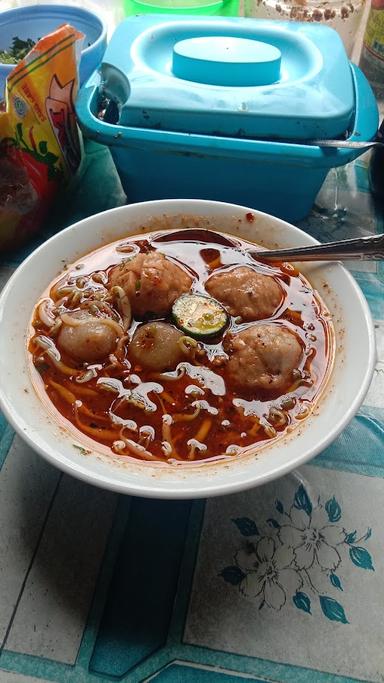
<point>152,282</point>
<point>155,346</point>
<point>246,293</point>
<point>89,338</point>
<point>263,357</point>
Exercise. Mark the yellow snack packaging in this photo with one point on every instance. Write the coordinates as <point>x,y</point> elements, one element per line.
<point>40,146</point>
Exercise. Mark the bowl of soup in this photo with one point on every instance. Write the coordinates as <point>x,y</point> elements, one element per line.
<point>148,350</point>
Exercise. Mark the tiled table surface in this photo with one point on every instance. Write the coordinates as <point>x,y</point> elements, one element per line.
<point>98,587</point>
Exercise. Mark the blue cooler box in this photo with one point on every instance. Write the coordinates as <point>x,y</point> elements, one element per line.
<point>225,108</point>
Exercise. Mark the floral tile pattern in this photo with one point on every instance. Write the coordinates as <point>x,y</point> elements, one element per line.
<point>293,573</point>
<point>282,565</point>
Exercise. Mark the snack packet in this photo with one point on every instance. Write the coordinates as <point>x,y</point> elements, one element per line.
<point>40,146</point>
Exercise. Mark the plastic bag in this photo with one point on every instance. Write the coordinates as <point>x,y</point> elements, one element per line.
<point>40,146</point>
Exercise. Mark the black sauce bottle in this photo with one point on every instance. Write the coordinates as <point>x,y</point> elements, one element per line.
<point>376,169</point>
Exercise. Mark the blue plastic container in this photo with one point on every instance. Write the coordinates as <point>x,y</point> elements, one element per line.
<point>178,125</point>
<point>37,21</point>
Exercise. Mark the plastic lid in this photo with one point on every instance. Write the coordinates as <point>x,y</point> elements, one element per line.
<point>229,76</point>
<point>226,61</point>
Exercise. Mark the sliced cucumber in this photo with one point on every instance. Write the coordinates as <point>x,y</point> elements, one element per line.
<point>199,316</point>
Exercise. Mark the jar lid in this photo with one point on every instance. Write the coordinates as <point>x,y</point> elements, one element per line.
<point>229,76</point>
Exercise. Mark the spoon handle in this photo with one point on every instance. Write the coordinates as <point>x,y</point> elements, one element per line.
<point>346,144</point>
<point>369,248</point>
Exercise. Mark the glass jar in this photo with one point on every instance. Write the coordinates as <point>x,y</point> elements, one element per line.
<point>372,54</point>
<point>344,17</point>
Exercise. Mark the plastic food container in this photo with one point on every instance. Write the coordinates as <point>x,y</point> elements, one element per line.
<point>225,8</point>
<point>36,21</point>
<point>223,109</point>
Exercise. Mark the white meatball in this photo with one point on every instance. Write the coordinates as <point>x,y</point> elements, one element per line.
<point>152,282</point>
<point>263,357</point>
<point>246,293</point>
<point>155,346</point>
<point>88,339</point>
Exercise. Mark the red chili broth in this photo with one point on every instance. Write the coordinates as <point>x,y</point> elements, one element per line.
<point>200,252</point>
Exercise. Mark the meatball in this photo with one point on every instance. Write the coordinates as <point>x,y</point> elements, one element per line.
<point>88,338</point>
<point>155,346</point>
<point>246,293</point>
<point>152,282</point>
<point>263,357</point>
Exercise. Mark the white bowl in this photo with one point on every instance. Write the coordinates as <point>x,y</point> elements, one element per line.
<point>345,390</point>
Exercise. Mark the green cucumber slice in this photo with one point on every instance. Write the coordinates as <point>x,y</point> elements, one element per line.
<point>199,316</point>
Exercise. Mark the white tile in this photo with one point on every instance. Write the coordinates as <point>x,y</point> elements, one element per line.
<point>54,606</point>
<point>379,333</point>
<point>361,266</point>
<point>375,395</point>
<point>27,484</point>
<point>221,617</point>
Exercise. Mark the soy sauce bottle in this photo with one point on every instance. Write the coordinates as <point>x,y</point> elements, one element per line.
<point>376,169</point>
<point>372,54</point>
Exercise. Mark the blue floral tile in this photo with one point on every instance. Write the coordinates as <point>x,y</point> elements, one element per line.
<point>274,568</point>
<point>292,573</point>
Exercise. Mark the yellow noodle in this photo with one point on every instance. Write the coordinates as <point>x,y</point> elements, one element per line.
<point>70,398</point>
<point>113,324</point>
<point>254,429</point>
<point>71,321</point>
<point>167,397</point>
<point>96,432</point>
<point>204,429</point>
<point>67,395</point>
<point>167,436</point>
<point>85,391</point>
<point>76,322</point>
<point>97,418</point>
<point>215,263</point>
<point>182,417</point>
<point>140,451</point>
<point>62,367</point>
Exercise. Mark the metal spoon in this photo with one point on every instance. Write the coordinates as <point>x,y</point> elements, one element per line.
<point>364,248</point>
<point>345,144</point>
<point>353,144</point>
